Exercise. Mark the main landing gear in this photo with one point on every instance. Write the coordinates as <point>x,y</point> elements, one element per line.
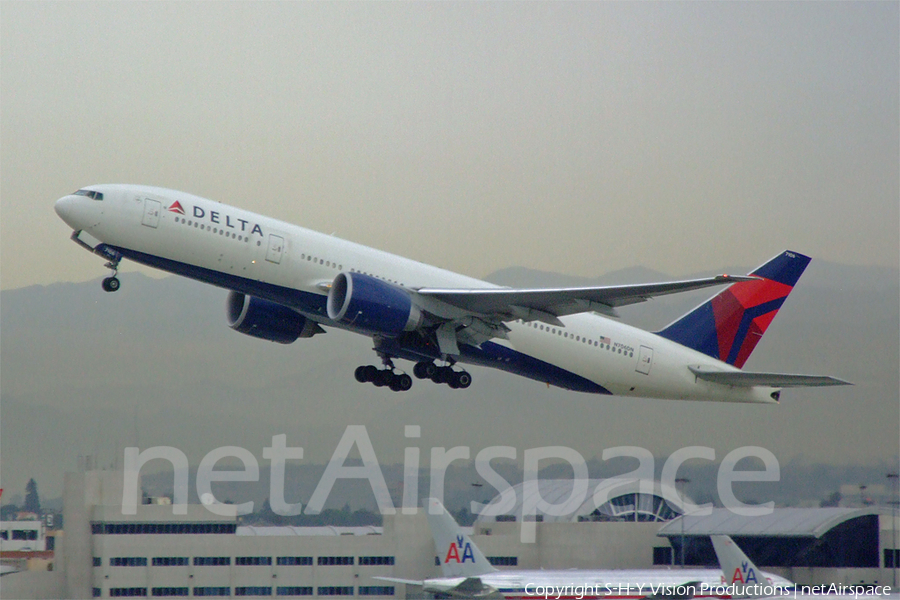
<point>446,374</point>
<point>111,283</point>
<point>398,382</point>
<point>401,382</point>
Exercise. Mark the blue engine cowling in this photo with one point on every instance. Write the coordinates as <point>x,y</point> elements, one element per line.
<point>267,320</point>
<point>372,306</point>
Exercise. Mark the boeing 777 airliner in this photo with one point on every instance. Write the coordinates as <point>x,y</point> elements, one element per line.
<point>287,282</point>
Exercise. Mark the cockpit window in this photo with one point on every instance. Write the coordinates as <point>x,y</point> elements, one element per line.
<point>89,194</point>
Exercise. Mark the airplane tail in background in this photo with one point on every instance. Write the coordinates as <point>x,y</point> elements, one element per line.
<point>740,572</point>
<point>458,555</point>
<point>731,323</point>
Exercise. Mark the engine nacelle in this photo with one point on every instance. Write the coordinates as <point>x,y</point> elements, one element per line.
<point>370,305</point>
<point>267,320</point>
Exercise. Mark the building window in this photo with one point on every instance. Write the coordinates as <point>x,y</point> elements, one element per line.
<point>212,591</point>
<point>376,560</point>
<point>170,561</point>
<point>503,561</point>
<point>130,592</point>
<point>162,528</point>
<point>128,561</point>
<point>333,590</point>
<point>505,518</point>
<point>24,534</point>
<point>212,561</point>
<point>97,592</point>
<point>376,590</point>
<point>329,561</point>
<point>294,590</point>
<point>252,561</point>
<point>253,590</point>
<point>891,558</point>
<point>293,561</point>
<point>169,591</point>
<point>662,555</point>
<point>98,562</point>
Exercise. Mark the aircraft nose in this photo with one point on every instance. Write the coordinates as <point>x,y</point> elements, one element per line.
<point>65,208</point>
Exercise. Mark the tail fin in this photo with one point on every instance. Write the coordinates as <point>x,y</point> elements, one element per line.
<point>740,572</point>
<point>729,325</point>
<point>458,555</point>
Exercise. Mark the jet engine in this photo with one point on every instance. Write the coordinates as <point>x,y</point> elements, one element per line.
<point>371,305</point>
<point>268,320</point>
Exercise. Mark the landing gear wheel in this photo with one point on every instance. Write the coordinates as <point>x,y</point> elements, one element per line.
<point>383,378</point>
<point>404,383</point>
<point>370,372</point>
<point>462,380</point>
<point>424,370</point>
<point>445,374</point>
<point>110,284</point>
<point>360,374</point>
<point>401,382</point>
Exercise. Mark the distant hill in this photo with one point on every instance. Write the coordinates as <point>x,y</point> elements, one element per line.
<point>87,373</point>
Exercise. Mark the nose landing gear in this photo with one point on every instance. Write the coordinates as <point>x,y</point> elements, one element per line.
<point>111,283</point>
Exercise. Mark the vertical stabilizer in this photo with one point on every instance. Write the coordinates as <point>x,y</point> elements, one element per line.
<point>731,323</point>
<point>739,571</point>
<point>459,557</point>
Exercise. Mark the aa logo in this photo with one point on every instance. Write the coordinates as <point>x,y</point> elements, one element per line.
<point>453,551</point>
<point>745,574</point>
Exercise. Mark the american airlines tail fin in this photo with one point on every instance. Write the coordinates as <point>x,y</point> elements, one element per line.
<point>729,325</point>
<point>458,555</point>
<point>739,571</point>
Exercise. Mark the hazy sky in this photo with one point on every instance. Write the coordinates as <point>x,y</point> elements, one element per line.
<point>571,137</point>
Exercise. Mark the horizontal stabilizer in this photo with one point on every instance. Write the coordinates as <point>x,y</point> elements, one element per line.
<point>399,580</point>
<point>778,380</point>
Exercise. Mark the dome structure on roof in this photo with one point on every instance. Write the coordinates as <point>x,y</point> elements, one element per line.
<point>614,499</point>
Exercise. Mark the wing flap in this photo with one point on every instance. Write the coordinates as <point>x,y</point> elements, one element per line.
<point>777,380</point>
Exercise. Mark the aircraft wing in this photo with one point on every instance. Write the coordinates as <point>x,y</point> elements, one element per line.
<point>507,304</point>
<point>779,380</point>
<point>452,587</point>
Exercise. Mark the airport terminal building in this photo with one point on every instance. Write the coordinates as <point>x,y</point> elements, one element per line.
<point>156,553</point>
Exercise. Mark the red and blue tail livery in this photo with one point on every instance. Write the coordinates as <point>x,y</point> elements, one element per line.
<point>729,325</point>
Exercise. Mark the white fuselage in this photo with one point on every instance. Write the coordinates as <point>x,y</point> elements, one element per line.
<point>240,250</point>
<point>608,584</point>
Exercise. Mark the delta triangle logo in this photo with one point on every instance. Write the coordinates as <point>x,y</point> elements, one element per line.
<point>176,208</point>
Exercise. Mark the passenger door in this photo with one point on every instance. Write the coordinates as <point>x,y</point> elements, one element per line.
<point>645,360</point>
<point>275,249</point>
<point>151,213</point>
